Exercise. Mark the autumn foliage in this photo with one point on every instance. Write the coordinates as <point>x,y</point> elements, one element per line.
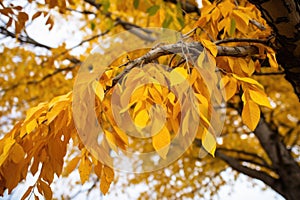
<point>44,140</point>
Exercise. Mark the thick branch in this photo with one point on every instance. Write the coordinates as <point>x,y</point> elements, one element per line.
<point>282,161</point>
<point>267,179</point>
<point>193,48</point>
<point>237,51</point>
<point>253,156</point>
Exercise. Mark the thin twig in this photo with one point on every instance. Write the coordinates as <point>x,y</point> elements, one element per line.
<point>268,73</point>
<point>257,24</point>
<point>248,40</point>
<point>84,12</point>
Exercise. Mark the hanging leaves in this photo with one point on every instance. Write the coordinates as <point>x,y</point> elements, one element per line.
<point>209,142</point>
<point>251,114</point>
<point>161,142</point>
<point>42,139</point>
<point>85,168</point>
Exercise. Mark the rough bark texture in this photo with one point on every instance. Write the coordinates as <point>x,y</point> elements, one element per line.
<point>284,17</point>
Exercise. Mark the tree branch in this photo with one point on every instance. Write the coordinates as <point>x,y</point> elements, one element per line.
<point>249,154</point>
<point>94,3</point>
<point>40,80</point>
<point>257,24</point>
<point>192,48</point>
<point>283,162</point>
<point>22,39</point>
<point>237,51</point>
<point>233,163</point>
<point>143,33</point>
<point>268,73</point>
<point>186,6</point>
<point>248,40</point>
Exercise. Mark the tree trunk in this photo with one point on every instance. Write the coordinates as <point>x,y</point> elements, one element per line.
<point>284,17</point>
<point>283,163</point>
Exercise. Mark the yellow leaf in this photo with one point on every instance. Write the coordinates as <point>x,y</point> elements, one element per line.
<point>248,80</point>
<point>161,142</point>
<point>209,142</point>
<point>178,76</point>
<point>242,20</point>
<point>28,191</point>
<point>106,179</point>
<point>121,134</point>
<point>35,112</point>
<point>98,89</point>
<point>17,153</point>
<point>226,7</point>
<point>186,123</point>
<point>104,185</point>
<point>259,97</point>
<point>72,164</point>
<point>55,111</point>
<point>141,119</point>
<point>7,146</point>
<point>61,98</point>
<point>272,59</point>
<point>244,66</point>
<point>251,114</point>
<point>85,168</point>
<point>251,66</point>
<point>109,173</point>
<point>47,192</point>
<point>229,85</point>
<point>31,126</point>
<point>210,46</point>
<point>98,169</point>
<point>111,140</point>
<point>155,95</point>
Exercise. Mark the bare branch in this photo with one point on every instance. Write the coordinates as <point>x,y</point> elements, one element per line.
<point>22,39</point>
<point>143,33</point>
<point>248,40</point>
<point>87,40</point>
<point>268,73</point>
<point>257,24</point>
<point>237,51</point>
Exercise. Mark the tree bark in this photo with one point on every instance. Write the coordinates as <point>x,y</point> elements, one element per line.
<point>283,163</point>
<point>284,17</point>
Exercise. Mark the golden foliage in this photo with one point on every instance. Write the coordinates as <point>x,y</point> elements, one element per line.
<point>47,131</point>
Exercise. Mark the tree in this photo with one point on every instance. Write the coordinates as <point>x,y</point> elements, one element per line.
<point>240,40</point>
